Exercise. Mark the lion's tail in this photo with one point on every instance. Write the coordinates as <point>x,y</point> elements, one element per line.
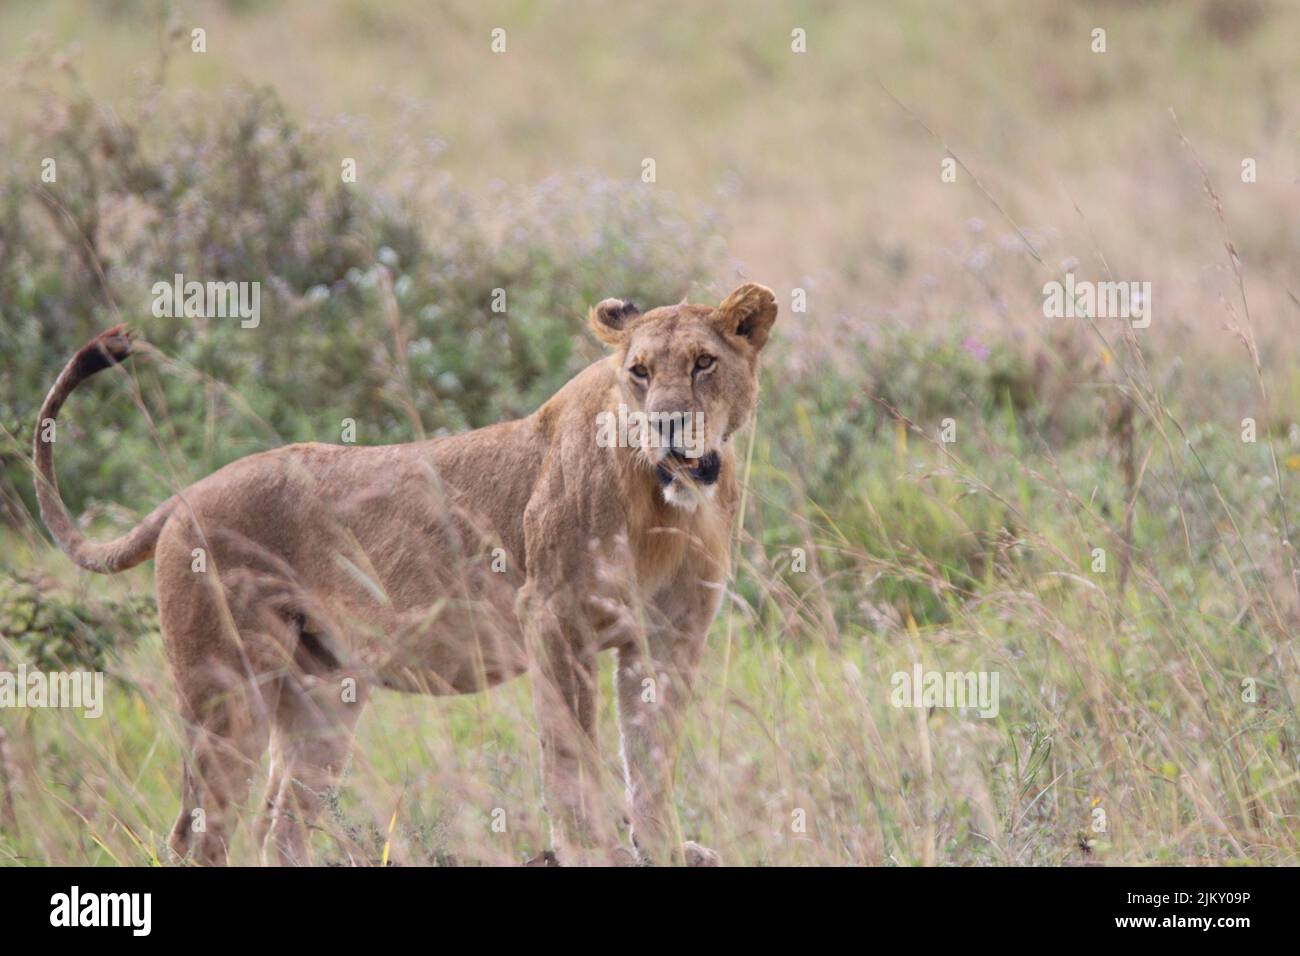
<point>107,557</point>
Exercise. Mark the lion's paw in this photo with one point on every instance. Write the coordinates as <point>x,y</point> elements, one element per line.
<point>617,856</point>
<point>697,855</point>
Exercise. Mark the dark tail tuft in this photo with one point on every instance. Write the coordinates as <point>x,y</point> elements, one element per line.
<point>107,348</point>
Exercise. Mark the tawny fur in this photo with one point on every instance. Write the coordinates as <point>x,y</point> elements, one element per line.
<point>290,577</point>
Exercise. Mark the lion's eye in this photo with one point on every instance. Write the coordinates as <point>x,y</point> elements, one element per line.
<point>704,363</point>
<point>639,371</point>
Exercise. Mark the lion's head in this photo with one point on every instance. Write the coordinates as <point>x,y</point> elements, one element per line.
<point>688,376</point>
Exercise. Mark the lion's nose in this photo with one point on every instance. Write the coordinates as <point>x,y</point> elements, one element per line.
<point>670,423</point>
<point>670,431</point>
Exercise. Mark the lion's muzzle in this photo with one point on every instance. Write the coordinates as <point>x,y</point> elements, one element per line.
<point>703,470</point>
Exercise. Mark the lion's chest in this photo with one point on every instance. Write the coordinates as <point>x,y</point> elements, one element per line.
<point>669,544</point>
<point>660,554</point>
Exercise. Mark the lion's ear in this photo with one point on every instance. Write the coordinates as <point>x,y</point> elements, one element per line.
<point>748,313</point>
<point>609,320</point>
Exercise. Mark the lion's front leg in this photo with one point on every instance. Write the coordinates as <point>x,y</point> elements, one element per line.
<point>651,703</point>
<point>655,679</point>
<point>563,674</point>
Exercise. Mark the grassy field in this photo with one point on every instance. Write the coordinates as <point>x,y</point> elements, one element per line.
<point>1104,531</point>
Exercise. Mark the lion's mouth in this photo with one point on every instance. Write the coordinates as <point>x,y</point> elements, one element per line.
<point>703,470</point>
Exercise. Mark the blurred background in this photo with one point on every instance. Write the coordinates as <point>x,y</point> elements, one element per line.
<point>818,173</point>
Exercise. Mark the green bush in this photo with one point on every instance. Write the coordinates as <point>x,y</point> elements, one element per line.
<point>369,310</point>
<point>51,630</point>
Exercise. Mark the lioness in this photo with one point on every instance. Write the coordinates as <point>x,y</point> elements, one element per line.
<point>293,582</point>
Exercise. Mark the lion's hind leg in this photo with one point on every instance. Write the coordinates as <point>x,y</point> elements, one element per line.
<point>224,664</point>
<point>312,741</point>
<point>230,635</point>
<point>318,705</point>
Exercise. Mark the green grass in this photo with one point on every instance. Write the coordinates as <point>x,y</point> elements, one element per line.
<point>1131,704</point>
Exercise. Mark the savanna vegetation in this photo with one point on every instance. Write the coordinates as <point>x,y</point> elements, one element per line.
<point>1102,515</point>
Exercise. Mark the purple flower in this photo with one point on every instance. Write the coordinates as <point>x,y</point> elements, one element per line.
<point>976,349</point>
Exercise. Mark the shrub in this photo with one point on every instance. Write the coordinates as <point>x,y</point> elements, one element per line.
<point>371,310</point>
<point>51,630</point>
